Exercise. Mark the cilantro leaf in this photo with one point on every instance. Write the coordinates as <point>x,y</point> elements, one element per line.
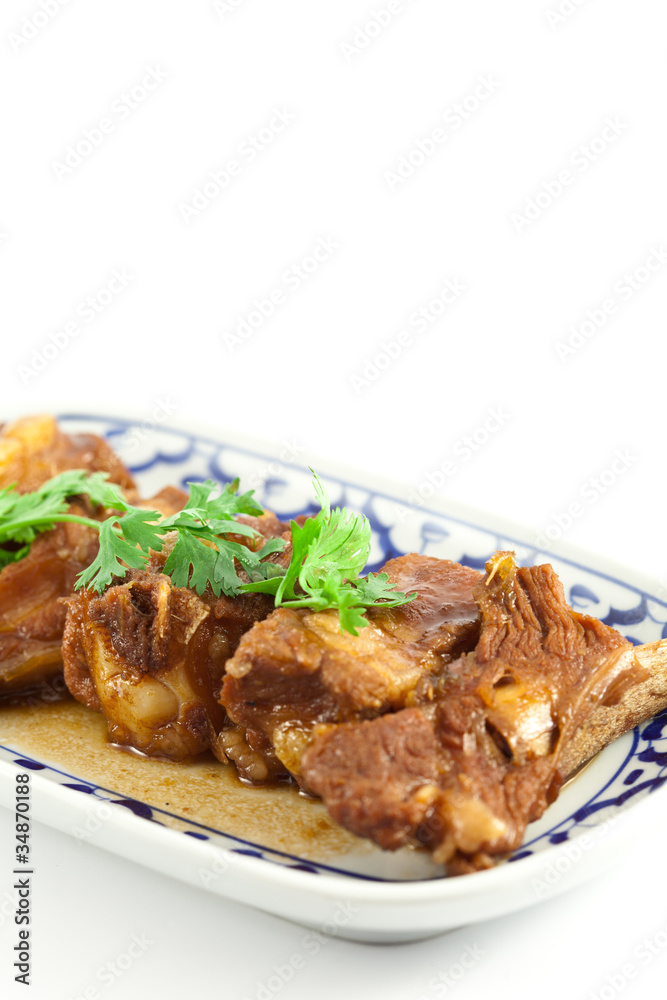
<point>24,515</point>
<point>203,554</point>
<point>223,508</point>
<point>329,550</point>
<point>303,536</point>
<point>350,613</point>
<point>137,529</point>
<point>108,563</point>
<point>78,482</point>
<point>328,553</point>
<point>376,588</point>
<point>28,515</point>
<point>191,562</point>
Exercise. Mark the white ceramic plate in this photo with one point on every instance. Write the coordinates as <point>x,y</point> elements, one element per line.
<point>364,893</point>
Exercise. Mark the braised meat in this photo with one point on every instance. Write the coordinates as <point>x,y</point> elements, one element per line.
<point>32,616</point>
<point>296,669</point>
<point>151,656</point>
<point>34,449</point>
<point>489,747</point>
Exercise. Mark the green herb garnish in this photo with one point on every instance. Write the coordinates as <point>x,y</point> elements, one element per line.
<point>328,551</point>
<point>25,515</point>
<point>202,555</point>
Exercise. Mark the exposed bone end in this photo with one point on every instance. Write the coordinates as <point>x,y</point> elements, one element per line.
<point>638,693</point>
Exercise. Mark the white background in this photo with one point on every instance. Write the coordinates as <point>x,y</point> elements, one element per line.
<point>356,104</point>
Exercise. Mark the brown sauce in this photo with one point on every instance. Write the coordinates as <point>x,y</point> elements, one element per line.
<point>69,736</point>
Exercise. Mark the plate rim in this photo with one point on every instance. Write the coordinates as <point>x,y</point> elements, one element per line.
<point>445,889</point>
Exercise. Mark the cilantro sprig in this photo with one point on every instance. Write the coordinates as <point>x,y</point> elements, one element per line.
<point>202,554</point>
<point>328,551</point>
<point>25,515</point>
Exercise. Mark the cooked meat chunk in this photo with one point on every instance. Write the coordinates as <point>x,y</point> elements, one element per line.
<point>32,593</point>
<point>151,656</point>
<point>488,749</point>
<point>297,669</point>
<point>33,449</point>
<point>32,615</point>
<point>379,777</point>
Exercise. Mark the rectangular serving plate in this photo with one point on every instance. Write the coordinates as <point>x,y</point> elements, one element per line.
<point>272,848</point>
